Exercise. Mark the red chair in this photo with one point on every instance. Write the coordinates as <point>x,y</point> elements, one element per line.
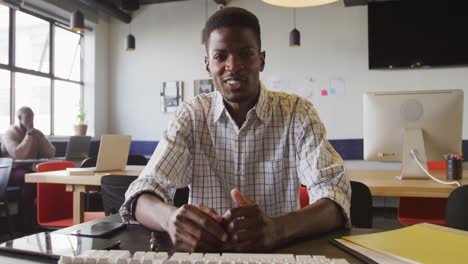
<point>54,203</point>
<point>303,197</point>
<point>415,210</point>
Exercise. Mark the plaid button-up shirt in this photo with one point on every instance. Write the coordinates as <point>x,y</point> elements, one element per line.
<point>281,145</point>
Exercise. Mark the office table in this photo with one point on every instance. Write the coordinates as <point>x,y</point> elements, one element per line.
<point>136,238</point>
<point>78,184</point>
<point>385,183</point>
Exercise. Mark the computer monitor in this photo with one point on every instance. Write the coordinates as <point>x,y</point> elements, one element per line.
<point>428,122</point>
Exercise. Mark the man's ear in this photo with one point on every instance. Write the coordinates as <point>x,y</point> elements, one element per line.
<point>207,65</point>
<point>262,58</point>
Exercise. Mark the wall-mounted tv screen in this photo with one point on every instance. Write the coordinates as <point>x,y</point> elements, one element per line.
<point>417,33</point>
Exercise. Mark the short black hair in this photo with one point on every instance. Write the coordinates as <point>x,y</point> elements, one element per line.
<point>232,17</point>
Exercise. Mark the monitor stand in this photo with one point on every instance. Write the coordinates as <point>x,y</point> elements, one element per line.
<point>413,139</point>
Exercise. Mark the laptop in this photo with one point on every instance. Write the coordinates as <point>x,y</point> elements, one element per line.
<point>78,148</point>
<point>112,155</point>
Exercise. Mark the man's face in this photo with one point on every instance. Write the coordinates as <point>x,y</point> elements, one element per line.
<point>26,119</point>
<point>234,61</point>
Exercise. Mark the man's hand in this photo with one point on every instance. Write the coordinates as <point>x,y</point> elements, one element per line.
<point>196,228</point>
<point>249,229</point>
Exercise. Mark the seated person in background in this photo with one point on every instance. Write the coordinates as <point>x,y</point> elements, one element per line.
<point>244,152</point>
<point>24,141</point>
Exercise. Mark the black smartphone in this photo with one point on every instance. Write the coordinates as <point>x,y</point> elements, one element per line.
<point>100,229</point>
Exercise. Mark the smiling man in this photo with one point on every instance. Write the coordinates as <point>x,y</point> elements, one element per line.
<point>244,152</point>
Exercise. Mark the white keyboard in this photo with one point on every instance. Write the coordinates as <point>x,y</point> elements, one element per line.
<point>140,257</point>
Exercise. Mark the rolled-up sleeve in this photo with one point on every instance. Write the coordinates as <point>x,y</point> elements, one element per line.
<point>320,167</point>
<point>169,168</point>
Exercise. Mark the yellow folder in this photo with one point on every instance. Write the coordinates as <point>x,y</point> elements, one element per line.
<point>424,243</point>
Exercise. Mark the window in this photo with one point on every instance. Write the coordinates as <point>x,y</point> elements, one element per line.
<point>32,42</point>
<point>4,27</point>
<point>34,91</point>
<point>4,100</point>
<point>66,106</point>
<point>45,64</point>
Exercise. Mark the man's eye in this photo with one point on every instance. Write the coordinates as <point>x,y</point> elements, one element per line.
<point>219,57</point>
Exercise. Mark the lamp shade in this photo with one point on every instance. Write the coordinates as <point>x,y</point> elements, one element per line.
<point>130,42</point>
<point>77,21</point>
<point>294,38</point>
<point>298,3</point>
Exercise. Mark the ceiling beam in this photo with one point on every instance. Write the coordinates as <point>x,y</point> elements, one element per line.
<point>109,9</point>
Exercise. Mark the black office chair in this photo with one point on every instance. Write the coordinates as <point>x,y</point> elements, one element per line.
<point>89,162</point>
<point>113,188</point>
<point>456,213</point>
<point>9,196</point>
<point>137,160</point>
<point>361,205</point>
<point>93,200</point>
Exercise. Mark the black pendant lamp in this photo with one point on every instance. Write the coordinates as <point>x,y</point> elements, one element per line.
<point>131,44</point>
<point>294,35</point>
<point>77,21</point>
<point>206,18</point>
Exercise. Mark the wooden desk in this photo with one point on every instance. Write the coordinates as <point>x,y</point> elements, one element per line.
<point>78,184</point>
<point>385,183</point>
<point>136,238</point>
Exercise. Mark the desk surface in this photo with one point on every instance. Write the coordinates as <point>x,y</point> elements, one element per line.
<point>385,183</point>
<point>136,238</point>
<point>91,179</point>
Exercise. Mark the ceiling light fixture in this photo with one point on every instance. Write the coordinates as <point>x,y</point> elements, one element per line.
<point>294,35</point>
<point>77,21</point>
<point>298,3</point>
<point>206,18</point>
<point>131,45</point>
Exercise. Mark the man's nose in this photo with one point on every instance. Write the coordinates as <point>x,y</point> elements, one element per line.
<point>234,63</point>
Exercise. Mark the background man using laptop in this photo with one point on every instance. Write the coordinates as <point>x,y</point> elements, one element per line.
<point>25,142</point>
<point>244,151</point>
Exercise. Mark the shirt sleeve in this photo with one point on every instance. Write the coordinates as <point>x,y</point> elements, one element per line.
<point>320,167</point>
<point>169,168</point>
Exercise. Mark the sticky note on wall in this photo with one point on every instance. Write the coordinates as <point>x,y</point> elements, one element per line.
<point>324,92</point>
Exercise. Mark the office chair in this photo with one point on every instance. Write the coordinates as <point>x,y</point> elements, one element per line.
<point>54,203</point>
<point>113,188</point>
<point>415,210</point>
<point>9,197</point>
<point>456,214</point>
<point>94,200</point>
<point>361,204</point>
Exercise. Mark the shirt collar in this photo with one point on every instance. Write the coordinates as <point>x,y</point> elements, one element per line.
<point>261,108</point>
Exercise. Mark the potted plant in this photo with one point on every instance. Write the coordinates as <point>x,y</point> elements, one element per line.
<point>81,127</point>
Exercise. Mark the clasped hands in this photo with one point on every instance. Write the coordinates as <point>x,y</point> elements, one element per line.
<point>244,228</point>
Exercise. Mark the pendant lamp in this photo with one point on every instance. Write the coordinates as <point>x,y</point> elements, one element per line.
<point>294,35</point>
<point>298,3</point>
<point>77,21</point>
<point>131,45</point>
<point>206,18</point>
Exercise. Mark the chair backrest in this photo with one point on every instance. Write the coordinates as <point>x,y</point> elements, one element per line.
<point>361,205</point>
<point>137,160</point>
<point>456,214</point>
<point>89,162</point>
<point>6,165</point>
<point>53,201</point>
<point>113,188</point>
<point>132,160</point>
<point>54,166</point>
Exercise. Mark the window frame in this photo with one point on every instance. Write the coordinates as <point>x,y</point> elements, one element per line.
<point>12,68</point>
